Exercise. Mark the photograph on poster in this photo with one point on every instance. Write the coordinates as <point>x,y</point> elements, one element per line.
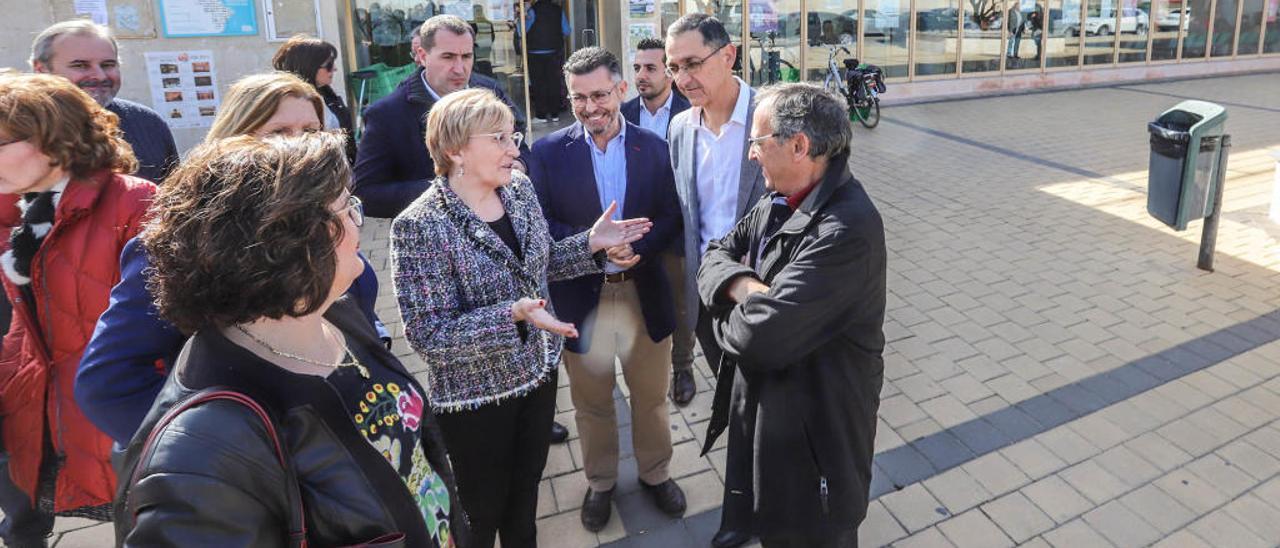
<point>172,96</point>
<point>200,66</point>
<point>184,85</point>
<point>204,80</point>
<point>175,113</point>
<point>168,68</point>
<point>204,95</point>
<point>208,111</point>
<point>171,82</point>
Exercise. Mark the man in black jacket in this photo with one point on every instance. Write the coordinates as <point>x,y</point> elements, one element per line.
<point>797,294</point>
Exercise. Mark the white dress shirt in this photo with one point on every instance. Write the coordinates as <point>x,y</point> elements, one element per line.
<point>719,163</point>
<point>658,121</point>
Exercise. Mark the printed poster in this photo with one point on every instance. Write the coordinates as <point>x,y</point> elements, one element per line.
<point>186,18</point>
<point>640,8</point>
<point>95,10</point>
<point>637,32</point>
<point>184,87</point>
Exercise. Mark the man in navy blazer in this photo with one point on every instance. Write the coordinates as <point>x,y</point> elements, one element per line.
<point>393,166</point>
<point>656,94</point>
<point>657,103</point>
<point>627,313</point>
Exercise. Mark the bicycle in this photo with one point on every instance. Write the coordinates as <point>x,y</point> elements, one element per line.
<point>863,100</point>
<point>771,58</point>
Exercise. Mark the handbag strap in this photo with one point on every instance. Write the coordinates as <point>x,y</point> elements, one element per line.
<point>297,518</point>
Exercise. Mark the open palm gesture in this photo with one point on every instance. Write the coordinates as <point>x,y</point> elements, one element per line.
<point>608,233</point>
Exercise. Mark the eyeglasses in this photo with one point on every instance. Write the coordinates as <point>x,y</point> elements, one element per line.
<point>597,97</point>
<point>692,67</point>
<point>755,141</point>
<point>328,66</point>
<point>355,210</point>
<point>503,137</point>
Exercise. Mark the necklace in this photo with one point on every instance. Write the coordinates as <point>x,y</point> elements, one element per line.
<point>364,371</point>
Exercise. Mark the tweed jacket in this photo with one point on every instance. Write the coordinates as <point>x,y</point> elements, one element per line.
<point>455,281</point>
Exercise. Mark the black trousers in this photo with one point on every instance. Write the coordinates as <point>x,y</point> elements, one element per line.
<point>845,539</point>
<point>498,452</point>
<point>739,500</point>
<point>545,80</point>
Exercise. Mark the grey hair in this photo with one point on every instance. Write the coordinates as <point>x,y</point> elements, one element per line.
<point>588,59</point>
<point>805,108</point>
<point>712,30</point>
<point>452,23</point>
<point>42,47</point>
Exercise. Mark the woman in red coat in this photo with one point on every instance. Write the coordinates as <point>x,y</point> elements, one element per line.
<point>66,210</point>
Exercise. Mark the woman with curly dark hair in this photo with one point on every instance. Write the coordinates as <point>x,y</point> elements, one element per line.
<point>254,242</point>
<point>67,210</point>
<point>314,61</point>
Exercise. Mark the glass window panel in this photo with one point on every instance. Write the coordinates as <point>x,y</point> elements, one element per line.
<point>937,36</point>
<point>1100,28</point>
<point>1022,47</point>
<point>884,40</point>
<point>982,47</point>
<point>1250,27</point>
<point>1271,40</point>
<point>774,49</point>
<point>1224,28</point>
<point>728,12</point>
<point>1062,46</point>
<point>832,24</point>
<point>1169,18</point>
<point>1134,26</point>
<point>1197,29</point>
<point>670,12</point>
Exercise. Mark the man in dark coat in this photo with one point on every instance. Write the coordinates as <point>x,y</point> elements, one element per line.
<point>797,295</point>
<point>392,164</point>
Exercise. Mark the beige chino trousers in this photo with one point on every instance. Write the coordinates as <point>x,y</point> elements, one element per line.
<point>618,331</point>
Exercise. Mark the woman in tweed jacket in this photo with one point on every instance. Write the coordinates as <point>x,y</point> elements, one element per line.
<point>471,259</point>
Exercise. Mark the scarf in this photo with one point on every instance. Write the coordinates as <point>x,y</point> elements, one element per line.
<point>38,210</point>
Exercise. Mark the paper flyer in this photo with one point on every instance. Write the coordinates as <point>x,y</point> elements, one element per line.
<point>184,87</point>
<point>637,32</point>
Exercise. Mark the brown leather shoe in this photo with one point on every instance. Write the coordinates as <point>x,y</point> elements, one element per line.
<point>682,387</point>
<point>667,496</point>
<point>596,508</point>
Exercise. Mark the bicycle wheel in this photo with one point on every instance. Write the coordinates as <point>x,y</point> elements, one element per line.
<point>868,114</point>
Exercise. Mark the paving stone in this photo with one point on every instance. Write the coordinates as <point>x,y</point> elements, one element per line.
<point>1261,518</point>
<point>1157,508</point>
<point>879,528</point>
<point>1121,526</point>
<point>1017,516</point>
<point>996,474</point>
<point>1093,481</point>
<point>1191,491</point>
<point>1158,451</point>
<point>565,529</point>
<point>914,508</point>
<point>1033,458</point>
<point>974,529</point>
<point>1126,465</point>
<point>928,538</point>
<point>1057,499</point>
<point>1223,475</point>
<point>1068,445</point>
<point>1076,534</point>
<point>1224,530</point>
<point>957,490</point>
<point>1182,539</point>
<point>1250,459</point>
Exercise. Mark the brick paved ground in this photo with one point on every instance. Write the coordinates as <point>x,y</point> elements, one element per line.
<point>1058,372</point>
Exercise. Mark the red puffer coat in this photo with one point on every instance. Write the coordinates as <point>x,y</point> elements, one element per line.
<point>72,275</point>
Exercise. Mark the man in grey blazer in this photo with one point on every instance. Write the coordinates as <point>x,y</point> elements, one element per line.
<point>716,184</point>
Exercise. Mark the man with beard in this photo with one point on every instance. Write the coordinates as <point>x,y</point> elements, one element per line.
<point>86,53</point>
<point>657,103</point>
<point>626,313</point>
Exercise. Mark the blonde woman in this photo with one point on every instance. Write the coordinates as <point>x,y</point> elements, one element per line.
<point>471,259</point>
<point>118,379</point>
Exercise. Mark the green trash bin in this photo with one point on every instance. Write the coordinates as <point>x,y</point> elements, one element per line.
<point>1186,148</point>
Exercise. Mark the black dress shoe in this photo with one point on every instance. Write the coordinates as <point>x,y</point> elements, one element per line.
<point>682,387</point>
<point>596,509</point>
<point>559,434</point>
<point>729,539</point>
<point>667,496</point>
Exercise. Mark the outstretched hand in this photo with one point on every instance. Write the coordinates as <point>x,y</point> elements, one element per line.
<point>535,312</point>
<point>606,232</point>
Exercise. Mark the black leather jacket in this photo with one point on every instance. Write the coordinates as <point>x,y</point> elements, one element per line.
<point>214,478</point>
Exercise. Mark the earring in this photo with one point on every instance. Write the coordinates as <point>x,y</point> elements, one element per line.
<point>462,170</point>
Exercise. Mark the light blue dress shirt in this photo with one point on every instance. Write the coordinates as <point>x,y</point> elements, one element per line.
<point>659,121</point>
<point>610,168</point>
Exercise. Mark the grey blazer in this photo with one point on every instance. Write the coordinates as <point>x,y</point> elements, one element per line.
<point>684,142</point>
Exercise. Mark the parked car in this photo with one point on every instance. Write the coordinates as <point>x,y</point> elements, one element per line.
<point>1131,20</point>
<point>1169,19</point>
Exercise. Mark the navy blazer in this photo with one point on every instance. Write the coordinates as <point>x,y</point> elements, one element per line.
<point>393,166</point>
<point>561,170</point>
<point>631,109</point>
